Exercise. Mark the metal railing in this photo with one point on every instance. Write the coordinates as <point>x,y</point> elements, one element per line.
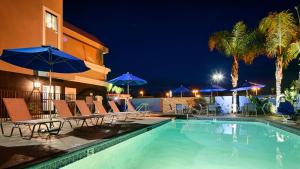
<point>38,103</point>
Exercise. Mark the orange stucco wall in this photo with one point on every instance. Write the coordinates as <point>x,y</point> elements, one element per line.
<point>22,23</point>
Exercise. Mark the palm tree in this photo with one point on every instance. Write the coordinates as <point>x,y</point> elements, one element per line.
<point>238,44</point>
<point>280,31</point>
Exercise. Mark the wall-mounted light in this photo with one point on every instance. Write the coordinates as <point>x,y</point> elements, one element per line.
<point>142,93</point>
<point>36,85</point>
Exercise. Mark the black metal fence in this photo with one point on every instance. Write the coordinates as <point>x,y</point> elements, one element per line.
<point>38,103</point>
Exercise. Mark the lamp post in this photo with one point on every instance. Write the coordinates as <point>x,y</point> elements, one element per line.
<point>217,78</point>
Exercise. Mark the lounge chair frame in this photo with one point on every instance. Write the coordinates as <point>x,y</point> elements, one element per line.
<point>9,103</point>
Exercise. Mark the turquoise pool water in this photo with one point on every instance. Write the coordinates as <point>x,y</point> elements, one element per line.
<point>198,144</point>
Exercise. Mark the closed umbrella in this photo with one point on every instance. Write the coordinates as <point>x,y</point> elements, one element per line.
<point>44,58</point>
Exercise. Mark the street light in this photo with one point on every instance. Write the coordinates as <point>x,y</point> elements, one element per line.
<point>217,77</point>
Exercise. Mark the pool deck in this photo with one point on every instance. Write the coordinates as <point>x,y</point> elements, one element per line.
<point>17,152</point>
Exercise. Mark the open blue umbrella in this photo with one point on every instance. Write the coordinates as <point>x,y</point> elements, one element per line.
<point>128,79</point>
<point>44,58</point>
<point>245,86</point>
<point>212,88</point>
<point>181,90</point>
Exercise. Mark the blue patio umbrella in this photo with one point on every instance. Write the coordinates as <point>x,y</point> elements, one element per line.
<point>181,90</point>
<point>44,58</point>
<point>128,79</point>
<point>245,86</point>
<point>212,88</point>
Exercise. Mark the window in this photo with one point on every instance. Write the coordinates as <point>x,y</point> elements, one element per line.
<point>51,21</point>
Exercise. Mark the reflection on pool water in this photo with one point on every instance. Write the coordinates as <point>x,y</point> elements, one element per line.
<point>198,144</point>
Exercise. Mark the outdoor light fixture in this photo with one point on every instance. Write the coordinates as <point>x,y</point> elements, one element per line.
<point>217,77</point>
<point>36,85</point>
<point>195,92</point>
<point>167,94</point>
<point>255,89</point>
<point>142,93</point>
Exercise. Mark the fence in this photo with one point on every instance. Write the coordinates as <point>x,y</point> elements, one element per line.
<point>38,103</point>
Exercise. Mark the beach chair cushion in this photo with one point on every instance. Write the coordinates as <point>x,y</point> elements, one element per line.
<point>83,108</point>
<point>62,108</point>
<point>100,108</point>
<point>114,107</point>
<point>17,109</point>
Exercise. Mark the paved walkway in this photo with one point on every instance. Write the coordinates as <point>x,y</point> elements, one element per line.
<point>15,150</point>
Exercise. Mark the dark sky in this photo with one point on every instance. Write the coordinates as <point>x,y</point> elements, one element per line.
<point>165,42</point>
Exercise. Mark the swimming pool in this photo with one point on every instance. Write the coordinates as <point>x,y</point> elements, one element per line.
<point>197,144</point>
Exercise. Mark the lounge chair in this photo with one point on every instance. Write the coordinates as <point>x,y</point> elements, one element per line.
<point>286,109</point>
<point>212,109</point>
<point>250,108</point>
<point>65,113</point>
<point>115,109</point>
<point>85,111</point>
<point>102,111</point>
<point>20,115</point>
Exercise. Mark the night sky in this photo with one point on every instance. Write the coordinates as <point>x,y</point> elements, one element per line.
<point>165,42</point>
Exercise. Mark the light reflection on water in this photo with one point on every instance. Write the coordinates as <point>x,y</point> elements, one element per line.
<point>203,144</point>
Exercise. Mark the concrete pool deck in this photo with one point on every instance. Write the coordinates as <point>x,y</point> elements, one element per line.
<point>17,152</point>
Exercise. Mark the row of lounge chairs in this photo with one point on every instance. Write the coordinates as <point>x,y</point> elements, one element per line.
<point>20,116</point>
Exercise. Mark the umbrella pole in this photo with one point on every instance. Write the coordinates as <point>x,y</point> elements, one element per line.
<point>126,104</point>
<point>49,95</point>
<point>128,89</point>
<point>181,94</point>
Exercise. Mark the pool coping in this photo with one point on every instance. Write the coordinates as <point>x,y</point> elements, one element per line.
<point>82,151</point>
<point>282,126</point>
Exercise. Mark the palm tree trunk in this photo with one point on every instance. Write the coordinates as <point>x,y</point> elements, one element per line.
<point>278,76</point>
<point>234,80</point>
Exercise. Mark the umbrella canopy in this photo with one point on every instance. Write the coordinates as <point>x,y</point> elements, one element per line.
<point>128,79</point>
<point>212,88</point>
<point>247,86</point>
<point>44,58</point>
<point>181,90</point>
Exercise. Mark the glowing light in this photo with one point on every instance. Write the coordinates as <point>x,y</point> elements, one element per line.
<point>36,84</point>
<point>142,93</point>
<point>195,92</point>
<point>217,77</point>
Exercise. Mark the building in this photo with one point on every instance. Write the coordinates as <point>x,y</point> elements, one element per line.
<point>32,23</point>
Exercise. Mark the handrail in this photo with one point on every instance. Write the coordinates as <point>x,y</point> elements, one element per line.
<point>142,106</point>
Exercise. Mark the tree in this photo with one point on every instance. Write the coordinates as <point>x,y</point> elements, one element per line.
<point>280,32</point>
<point>239,44</point>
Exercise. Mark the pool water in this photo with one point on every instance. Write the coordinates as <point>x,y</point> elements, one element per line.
<point>199,144</point>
